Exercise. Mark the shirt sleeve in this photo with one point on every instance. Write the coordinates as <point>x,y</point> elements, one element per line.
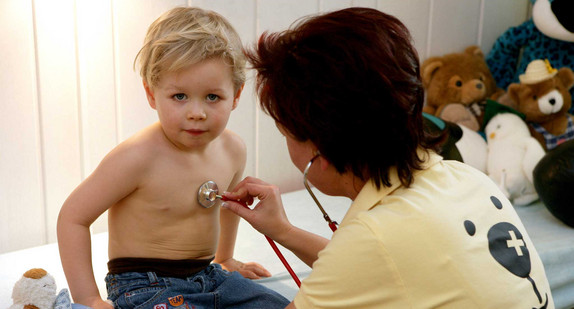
<point>353,271</point>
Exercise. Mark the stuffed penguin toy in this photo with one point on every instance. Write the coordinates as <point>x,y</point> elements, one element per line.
<point>512,155</point>
<point>549,34</point>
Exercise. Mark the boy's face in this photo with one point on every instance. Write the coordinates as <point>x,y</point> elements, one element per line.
<point>194,104</point>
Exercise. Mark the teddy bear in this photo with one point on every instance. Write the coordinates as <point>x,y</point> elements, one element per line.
<point>543,96</point>
<point>549,34</point>
<point>456,86</point>
<point>512,156</point>
<point>37,290</point>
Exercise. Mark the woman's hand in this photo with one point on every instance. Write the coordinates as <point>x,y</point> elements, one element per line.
<point>249,270</point>
<point>268,216</point>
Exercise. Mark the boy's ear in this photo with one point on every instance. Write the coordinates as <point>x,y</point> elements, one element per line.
<point>149,94</point>
<point>237,96</point>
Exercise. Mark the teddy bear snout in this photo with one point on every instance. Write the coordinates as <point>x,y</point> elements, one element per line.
<point>473,91</point>
<point>551,102</point>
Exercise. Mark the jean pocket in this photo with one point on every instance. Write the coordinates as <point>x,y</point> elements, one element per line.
<point>140,298</point>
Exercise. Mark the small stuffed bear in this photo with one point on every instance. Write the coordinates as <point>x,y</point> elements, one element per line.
<point>543,96</point>
<point>456,86</point>
<point>37,290</point>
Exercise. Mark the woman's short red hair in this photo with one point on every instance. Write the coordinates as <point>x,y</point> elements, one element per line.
<point>349,82</point>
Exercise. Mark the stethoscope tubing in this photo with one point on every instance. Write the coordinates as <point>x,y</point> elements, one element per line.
<point>274,247</point>
<point>332,224</point>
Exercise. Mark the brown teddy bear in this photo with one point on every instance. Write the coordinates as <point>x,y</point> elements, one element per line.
<point>543,96</point>
<point>457,85</point>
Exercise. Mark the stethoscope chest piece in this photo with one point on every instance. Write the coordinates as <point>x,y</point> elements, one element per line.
<point>207,194</point>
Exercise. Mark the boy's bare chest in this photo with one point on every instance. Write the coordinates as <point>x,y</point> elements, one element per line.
<point>174,186</point>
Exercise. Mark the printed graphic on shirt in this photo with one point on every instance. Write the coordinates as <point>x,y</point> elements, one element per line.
<point>506,245</point>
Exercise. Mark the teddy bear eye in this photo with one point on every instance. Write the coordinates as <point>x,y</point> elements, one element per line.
<point>535,97</point>
<point>458,83</point>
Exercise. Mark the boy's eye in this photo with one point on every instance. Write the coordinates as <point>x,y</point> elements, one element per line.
<point>179,97</point>
<point>212,97</point>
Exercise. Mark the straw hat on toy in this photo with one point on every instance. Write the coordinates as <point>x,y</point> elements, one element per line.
<point>537,71</point>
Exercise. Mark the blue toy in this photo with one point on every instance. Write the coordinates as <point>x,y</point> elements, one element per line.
<point>549,34</point>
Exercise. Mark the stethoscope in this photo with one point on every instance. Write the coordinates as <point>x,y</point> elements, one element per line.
<point>208,193</point>
<point>332,224</point>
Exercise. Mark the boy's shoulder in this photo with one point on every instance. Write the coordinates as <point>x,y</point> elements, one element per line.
<point>138,147</point>
<point>233,143</point>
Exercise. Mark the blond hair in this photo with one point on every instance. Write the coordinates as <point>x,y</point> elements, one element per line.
<point>187,35</point>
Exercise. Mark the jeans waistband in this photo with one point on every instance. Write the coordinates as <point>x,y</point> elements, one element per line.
<point>161,267</point>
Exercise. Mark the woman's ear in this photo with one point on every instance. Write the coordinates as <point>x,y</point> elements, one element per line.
<point>149,94</point>
<point>323,163</point>
<point>237,96</point>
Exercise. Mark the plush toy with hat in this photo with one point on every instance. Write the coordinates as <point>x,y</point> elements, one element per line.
<point>549,34</point>
<point>512,157</point>
<point>37,290</point>
<point>456,86</point>
<point>543,97</point>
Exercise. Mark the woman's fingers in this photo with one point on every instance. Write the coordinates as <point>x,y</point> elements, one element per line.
<point>250,188</point>
<point>268,216</point>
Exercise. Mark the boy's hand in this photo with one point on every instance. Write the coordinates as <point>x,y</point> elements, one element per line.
<point>249,270</point>
<point>101,304</point>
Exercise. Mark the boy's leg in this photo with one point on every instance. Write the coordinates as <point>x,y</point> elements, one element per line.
<point>148,291</point>
<point>210,288</point>
<point>238,292</point>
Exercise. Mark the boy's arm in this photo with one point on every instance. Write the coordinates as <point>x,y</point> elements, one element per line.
<point>229,223</point>
<point>112,180</point>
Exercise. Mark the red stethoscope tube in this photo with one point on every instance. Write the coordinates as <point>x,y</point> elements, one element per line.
<point>274,246</point>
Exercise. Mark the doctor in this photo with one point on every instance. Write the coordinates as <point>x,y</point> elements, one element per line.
<point>421,232</point>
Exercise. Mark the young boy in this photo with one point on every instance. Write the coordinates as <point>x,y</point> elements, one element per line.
<point>161,241</point>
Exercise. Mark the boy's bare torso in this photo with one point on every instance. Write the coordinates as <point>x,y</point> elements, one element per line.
<point>161,218</point>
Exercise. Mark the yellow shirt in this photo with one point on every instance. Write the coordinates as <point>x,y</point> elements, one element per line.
<point>450,240</point>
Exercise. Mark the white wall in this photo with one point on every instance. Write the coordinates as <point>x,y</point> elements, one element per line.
<point>68,92</point>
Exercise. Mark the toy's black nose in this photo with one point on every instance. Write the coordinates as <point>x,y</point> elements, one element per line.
<point>552,101</point>
<point>479,86</point>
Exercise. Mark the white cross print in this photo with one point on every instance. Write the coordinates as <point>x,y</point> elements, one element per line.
<point>515,243</point>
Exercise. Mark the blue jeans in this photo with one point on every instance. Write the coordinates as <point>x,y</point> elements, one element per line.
<point>210,288</point>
